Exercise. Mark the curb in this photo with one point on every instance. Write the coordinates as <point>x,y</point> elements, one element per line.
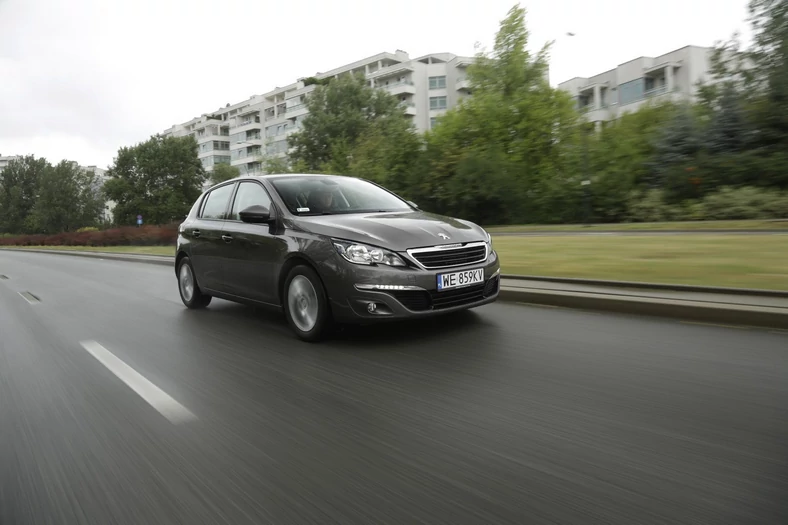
<point>164,260</point>
<point>687,310</point>
<point>686,288</point>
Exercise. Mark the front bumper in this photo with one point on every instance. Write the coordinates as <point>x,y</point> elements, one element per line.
<point>397,293</point>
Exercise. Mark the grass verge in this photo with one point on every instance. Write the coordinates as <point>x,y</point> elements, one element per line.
<point>706,260</point>
<point>646,226</point>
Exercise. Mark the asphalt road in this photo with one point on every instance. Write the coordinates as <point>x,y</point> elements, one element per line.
<point>507,414</point>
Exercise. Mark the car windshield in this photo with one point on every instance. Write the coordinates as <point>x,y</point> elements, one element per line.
<point>328,195</point>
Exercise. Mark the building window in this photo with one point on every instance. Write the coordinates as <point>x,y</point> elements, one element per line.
<point>437,102</point>
<point>438,82</point>
<point>433,121</point>
<point>629,92</point>
<point>279,146</point>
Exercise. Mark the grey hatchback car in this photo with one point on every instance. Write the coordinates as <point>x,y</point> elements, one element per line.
<point>327,248</point>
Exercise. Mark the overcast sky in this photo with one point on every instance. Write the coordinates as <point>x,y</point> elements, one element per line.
<point>81,78</point>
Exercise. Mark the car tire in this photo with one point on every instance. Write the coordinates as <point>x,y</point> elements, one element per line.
<point>306,304</point>
<point>191,295</point>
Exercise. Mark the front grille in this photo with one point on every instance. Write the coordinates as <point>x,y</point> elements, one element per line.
<point>435,258</point>
<point>457,297</point>
<point>416,300</point>
<point>420,300</point>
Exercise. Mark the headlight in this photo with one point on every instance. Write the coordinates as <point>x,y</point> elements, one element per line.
<point>363,254</point>
<point>489,243</point>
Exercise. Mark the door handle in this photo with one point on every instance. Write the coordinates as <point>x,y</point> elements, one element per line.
<point>227,238</point>
<point>195,233</point>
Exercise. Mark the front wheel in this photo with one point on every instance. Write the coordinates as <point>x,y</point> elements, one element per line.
<point>306,304</point>
<point>191,295</point>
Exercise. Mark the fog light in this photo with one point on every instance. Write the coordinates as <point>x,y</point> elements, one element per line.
<point>371,307</point>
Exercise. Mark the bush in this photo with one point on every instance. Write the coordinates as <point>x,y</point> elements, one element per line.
<point>126,236</point>
<point>727,203</point>
<point>745,203</point>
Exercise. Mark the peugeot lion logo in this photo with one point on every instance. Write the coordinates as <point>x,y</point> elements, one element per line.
<point>444,236</point>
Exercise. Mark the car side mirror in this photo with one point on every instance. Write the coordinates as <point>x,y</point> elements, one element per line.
<point>256,214</point>
<point>413,204</point>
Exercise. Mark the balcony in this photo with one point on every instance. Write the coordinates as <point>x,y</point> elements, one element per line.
<point>282,114</point>
<point>596,113</point>
<point>661,66</point>
<point>205,137</point>
<point>655,92</point>
<point>256,142</point>
<point>247,122</point>
<point>296,111</point>
<point>395,69</point>
<point>303,91</point>
<point>410,108</point>
<point>400,88</point>
<point>463,85</point>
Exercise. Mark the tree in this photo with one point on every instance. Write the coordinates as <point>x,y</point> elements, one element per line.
<point>19,183</point>
<point>620,156</point>
<point>67,199</point>
<point>727,131</point>
<point>343,114</point>
<point>676,154</point>
<point>159,179</point>
<point>222,172</point>
<point>515,129</point>
<point>760,76</point>
<point>389,153</point>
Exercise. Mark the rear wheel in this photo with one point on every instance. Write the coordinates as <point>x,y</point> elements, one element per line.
<point>306,304</point>
<point>191,295</point>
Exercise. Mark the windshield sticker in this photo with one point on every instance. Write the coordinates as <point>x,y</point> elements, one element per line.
<point>302,210</point>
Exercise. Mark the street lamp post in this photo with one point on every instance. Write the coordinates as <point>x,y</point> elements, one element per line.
<point>586,182</point>
<point>586,178</point>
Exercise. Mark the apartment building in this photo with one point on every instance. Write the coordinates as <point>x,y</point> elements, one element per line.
<point>101,178</point>
<point>608,95</point>
<point>244,133</point>
<point>5,159</point>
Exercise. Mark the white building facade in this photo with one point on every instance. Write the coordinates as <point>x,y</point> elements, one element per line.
<point>244,133</point>
<point>5,160</point>
<point>101,178</point>
<point>626,88</point>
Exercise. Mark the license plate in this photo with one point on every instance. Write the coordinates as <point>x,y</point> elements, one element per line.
<point>447,281</point>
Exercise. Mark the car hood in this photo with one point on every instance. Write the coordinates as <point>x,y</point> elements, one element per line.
<point>396,231</point>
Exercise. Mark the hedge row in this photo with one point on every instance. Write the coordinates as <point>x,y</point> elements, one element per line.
<point>745,203</point>
<point>125,236</point>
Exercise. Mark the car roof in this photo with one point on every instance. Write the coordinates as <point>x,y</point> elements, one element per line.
<point>273,176</point>
<point>280,175</point>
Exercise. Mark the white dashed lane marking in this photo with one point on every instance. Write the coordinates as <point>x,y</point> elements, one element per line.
<point>153,395</point>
